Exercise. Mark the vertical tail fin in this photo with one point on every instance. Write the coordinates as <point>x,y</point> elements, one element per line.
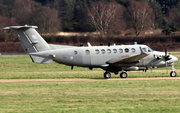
<point>30,39</point>
<point>32,42</point>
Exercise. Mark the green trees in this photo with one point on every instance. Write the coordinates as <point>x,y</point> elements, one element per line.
<point>105,16</point>
<point>158,14</point>
<point>174,16</point>
<point>167,31</point>
<point>167,5</point>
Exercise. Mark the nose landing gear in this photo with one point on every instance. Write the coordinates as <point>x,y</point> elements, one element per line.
<point>173,73</point>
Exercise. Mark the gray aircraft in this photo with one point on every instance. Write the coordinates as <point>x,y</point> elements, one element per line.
<point>113,58</point>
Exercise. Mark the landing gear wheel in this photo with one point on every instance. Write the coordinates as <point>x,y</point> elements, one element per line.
<point>107,75</point>
<point>123,75</point>
<point>173,74</point>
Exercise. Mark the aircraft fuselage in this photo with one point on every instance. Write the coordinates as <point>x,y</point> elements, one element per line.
<point>97,56</point>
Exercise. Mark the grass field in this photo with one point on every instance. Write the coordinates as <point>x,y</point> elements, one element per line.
<point>83,96</point>
<point>98,96</point>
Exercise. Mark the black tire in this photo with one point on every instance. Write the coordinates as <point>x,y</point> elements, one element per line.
<point>123,75</point>
<point>173,74</point>
<point>107,75</point>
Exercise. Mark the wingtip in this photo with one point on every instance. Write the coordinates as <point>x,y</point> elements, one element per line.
<point>6,28</point>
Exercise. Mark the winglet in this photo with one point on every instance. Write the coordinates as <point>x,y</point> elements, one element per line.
<point>7,28</point>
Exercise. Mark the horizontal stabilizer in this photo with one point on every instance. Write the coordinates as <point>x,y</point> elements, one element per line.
<point>43,60</point>
<point>20,27</point>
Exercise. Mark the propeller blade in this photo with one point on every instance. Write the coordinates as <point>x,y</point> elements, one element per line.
<point>166,68</point>
<point>166,57</point>
<point>165,50</point>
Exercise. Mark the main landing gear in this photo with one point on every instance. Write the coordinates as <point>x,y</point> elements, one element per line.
<point>123,75</point>
<point>108,75</point>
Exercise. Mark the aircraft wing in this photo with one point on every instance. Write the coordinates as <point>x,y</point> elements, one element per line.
<point>129,58</point>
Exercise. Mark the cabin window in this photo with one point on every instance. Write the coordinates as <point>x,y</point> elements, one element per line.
<point>120,50</point>
<point>127,50</point>
<point>75,52</point>
<point>108,51</point>
<point>133,50</point>
<point>103,51</point>
<point>97,51</point>
<point>115,50</point>
<point>87,51</point>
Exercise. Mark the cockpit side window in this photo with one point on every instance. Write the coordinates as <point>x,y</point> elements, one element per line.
<point>144,49</point>
<point>149,49</point>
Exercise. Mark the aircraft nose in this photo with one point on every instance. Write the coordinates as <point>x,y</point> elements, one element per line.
<point>174,59</point>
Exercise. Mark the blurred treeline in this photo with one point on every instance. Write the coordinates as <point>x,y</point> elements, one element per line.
<point>103,16</point>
